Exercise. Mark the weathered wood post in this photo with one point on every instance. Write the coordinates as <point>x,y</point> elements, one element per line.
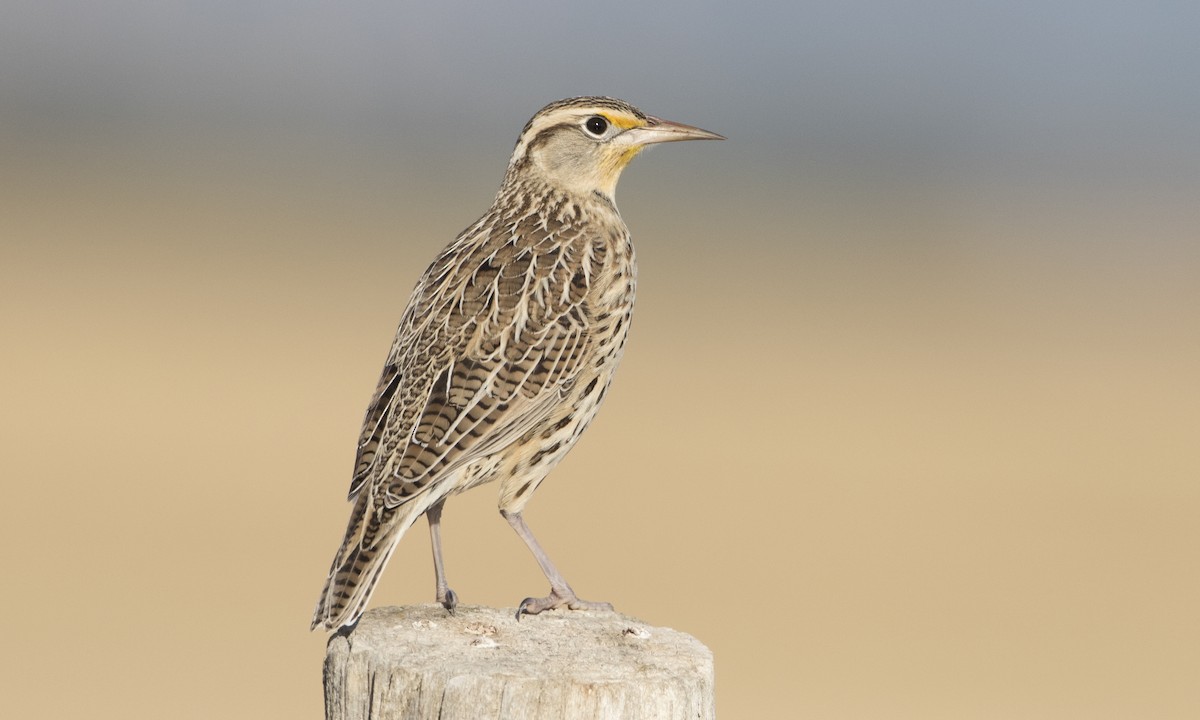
<point>419,662</point>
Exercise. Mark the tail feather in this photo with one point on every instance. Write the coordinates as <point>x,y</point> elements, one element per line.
<point>371,537</point>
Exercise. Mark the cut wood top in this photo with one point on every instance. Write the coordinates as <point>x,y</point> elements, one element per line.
<point>593,647</point>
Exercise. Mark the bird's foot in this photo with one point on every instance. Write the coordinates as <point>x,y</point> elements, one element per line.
<point>448,598</point>
<point>556,599</point>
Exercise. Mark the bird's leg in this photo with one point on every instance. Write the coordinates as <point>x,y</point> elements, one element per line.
<point>560,592</point>
<point>445,595</point>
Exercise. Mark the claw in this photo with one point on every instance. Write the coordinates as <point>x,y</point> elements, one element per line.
<point>450,601</point>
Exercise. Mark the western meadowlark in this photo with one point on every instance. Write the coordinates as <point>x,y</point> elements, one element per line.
<point>506,349</point>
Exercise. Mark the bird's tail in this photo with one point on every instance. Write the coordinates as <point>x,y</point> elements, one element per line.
<point>372,535</point>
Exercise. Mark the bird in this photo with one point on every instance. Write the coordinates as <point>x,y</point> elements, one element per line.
<point>505,351</point>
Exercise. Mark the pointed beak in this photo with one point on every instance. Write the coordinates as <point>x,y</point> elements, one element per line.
<point>661,131</point>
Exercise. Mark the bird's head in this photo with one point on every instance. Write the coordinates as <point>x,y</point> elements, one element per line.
<point>582,144</point>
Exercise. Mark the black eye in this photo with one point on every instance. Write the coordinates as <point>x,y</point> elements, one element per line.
<point>596,125</point>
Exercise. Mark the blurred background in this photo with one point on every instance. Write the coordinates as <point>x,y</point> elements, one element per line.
<point>907,426</point>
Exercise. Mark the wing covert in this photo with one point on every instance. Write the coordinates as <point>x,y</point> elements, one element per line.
<point>501,368</point>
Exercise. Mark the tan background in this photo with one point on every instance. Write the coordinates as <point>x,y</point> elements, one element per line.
<point>908,422</point>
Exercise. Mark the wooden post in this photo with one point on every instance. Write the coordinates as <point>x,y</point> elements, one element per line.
<point>420,662</point>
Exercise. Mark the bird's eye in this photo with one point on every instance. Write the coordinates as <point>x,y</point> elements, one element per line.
<point>596,125</point>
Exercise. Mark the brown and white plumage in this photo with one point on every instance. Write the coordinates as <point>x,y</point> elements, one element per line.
<point>506,349</point>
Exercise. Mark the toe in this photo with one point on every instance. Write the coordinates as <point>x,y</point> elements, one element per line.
<point>533,606</point>
<point>449,601</point>
<point>578,604</point>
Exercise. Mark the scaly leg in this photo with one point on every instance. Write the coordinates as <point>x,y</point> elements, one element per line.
<point>560,592</point>
<point>445,595</point>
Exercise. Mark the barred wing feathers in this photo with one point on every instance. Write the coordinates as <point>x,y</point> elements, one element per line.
<point>494,336</point>
<point>487,349</point>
